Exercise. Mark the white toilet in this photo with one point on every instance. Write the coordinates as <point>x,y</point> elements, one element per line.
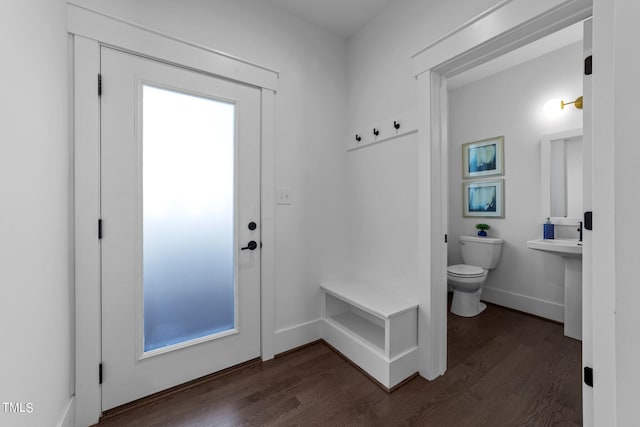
<point>480,255</point>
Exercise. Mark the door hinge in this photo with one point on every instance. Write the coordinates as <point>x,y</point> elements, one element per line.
<point>446,238</point>
<point>99,84</point>
<point>100,373</point>
<point>588,376</point>
<point>100,228</point>
<point>588,66</point>
<point>588,220</point>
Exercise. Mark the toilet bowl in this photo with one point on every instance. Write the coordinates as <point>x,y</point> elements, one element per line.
<point>480,254</point>
<point>467,282</point>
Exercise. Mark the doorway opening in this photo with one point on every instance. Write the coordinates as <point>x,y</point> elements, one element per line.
<point>90,31</point>
<point>474,43</point>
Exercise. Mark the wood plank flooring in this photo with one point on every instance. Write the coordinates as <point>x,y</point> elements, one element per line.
<point>505,368</point>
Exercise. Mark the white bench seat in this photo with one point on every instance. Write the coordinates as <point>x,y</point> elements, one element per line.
<point>373,327</point>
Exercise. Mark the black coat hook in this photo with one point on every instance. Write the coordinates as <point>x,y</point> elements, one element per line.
<point>376,132</point>
<point>358,138</point>
<point>396,125</point>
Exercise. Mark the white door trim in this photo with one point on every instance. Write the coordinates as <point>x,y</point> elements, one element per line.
<point>588,416</point>
<point>116,32</point>
<point>432,225</point>
<point>87,211</point>
<point>506,26</point>
<point>90,30</point>
<point>500,29</point>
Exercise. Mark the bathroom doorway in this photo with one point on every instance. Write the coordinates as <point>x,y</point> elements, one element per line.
<point>515,97</point>
<point>433,66</point>
<point>490,107</point>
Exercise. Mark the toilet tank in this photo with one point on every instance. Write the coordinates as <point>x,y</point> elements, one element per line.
<point>481,251</point>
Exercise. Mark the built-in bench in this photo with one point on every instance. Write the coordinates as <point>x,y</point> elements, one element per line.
<point>373,327</point>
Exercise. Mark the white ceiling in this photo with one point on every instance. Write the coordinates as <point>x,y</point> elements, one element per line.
<point>343,17</point>
<point>346,17</point>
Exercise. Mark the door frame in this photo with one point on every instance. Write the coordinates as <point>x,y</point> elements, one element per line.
<point>506,26</point>
<point>89,30</point>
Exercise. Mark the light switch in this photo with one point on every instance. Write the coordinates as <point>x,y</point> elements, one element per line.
<point>284,196</point>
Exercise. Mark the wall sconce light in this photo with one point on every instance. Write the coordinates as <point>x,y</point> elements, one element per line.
<point>577,103</point>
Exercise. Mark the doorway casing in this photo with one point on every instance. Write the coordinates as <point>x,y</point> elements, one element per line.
<point>508,25</point>
<point>88,31</point>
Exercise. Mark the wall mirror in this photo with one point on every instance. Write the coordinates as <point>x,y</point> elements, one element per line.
<point>562,177</point>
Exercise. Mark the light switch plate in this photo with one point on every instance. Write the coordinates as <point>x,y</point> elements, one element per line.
<point>284,196</point>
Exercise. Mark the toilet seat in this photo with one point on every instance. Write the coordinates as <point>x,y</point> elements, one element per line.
<point>465,271</point>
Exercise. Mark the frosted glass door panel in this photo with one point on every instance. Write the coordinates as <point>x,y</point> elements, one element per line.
<point>179,168</point>
<point>188,162</point>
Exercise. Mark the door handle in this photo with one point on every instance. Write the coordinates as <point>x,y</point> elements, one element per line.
<point>252,245</point>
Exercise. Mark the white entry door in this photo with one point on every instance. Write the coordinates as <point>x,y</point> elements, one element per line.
<point>180,209</point>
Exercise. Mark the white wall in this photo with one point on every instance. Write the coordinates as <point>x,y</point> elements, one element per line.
<point>380,85</point>
<point>35,307</point>
<point>510,103</point>
<point>310,125</point>
<point>627,233</point>
<point>381,82</point>
<point>383,211</point>
<point>383,178</point>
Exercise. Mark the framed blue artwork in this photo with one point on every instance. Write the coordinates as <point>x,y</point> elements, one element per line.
<point>483,158</point>
<point>483,199</point>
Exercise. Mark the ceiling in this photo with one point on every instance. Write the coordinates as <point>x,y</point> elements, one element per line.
<point>346,17</point>
<point>342,17</point>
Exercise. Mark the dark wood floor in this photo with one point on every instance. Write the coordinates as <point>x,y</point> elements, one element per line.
<point>505,369</point>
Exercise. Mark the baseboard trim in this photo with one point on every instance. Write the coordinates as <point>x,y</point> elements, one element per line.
<point>366,374</point>
<point>68,416</point>
<point>298,335</point>
<point>536,306</point>
<point>351,362</point>
<point>293,350</point>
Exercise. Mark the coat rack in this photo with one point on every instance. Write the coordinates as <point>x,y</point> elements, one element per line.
<point>384,130</point>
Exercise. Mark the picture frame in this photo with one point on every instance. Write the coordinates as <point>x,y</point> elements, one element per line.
<point>483,158</point>
<point>483,199</point>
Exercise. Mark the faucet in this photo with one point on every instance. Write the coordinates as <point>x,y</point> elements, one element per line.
<point>580,231</point>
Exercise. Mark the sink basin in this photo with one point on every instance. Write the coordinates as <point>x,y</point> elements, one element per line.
<point>562,247</point>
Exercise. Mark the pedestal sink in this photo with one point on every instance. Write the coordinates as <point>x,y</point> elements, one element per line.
<point>570,250</point>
